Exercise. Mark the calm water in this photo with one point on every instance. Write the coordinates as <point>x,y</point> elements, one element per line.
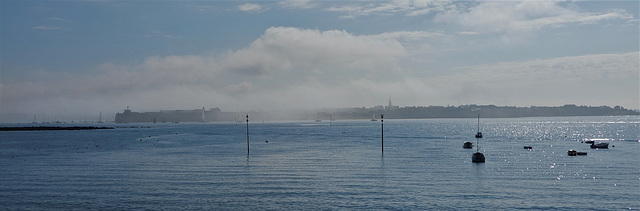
<point>314,166</point>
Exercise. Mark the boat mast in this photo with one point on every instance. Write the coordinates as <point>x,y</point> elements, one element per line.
<point>478,157</point>
<point>478,136</point>
<point>478,123</point>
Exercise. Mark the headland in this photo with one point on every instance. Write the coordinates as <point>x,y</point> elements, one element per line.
<point>390,112</point>
<point>52,128</point>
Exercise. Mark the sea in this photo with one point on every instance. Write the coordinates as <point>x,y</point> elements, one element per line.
<point>330,165</point>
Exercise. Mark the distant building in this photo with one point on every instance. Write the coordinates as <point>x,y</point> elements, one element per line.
<point>391,106</point>
<point>196,115</point>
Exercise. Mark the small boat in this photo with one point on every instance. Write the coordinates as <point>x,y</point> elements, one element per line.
<point>373,119</point>
<point>572,153</point>
<point>581,153</point>
<point>600,145</point>
<point>477,157</point>
<point>467,145</point>
<point>528,147</point>
<point>595,140</point>
<point>479,134</point>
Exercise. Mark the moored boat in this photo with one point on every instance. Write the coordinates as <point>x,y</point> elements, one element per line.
<point>467,145</point>
<point>477,157</point>
<point>600,145</point>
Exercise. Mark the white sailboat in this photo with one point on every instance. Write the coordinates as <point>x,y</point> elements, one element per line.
<point>477,156</point>
<point>373,119</point>
<point>100,118</point>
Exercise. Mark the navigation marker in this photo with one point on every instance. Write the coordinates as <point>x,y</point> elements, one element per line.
<point>247,134</point>
<point>382,131</point>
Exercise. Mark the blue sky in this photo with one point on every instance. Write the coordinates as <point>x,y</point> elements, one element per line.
<point>74,59</point>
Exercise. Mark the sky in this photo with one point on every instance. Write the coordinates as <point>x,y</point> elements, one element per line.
<point>72,60</point>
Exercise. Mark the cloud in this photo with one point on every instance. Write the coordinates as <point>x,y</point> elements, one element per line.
<point>293,68</point>
<point>283,59</point>
<point>408,8</point>
<point>601,79</point>
<point>468,33</point>
<point>252,8</point>
<point>298,4</point>
<point>46,27</point>
<point>522,16</point>
<point>286,48</point>
<point>409,35</point>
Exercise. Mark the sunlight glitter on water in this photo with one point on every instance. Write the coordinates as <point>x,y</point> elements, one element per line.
<point>310,166</point>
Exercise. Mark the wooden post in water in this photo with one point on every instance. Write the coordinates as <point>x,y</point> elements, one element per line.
<point>247,134</point>
<point>382,131</point>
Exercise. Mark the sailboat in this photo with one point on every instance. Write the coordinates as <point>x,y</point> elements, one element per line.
<point>478,157</point>
<point>239,119</point>
<point>373,119</point>
<point>100,118</point>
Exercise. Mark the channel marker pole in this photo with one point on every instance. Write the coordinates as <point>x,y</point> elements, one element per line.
<point>247,134</point>
<point>382,130</point>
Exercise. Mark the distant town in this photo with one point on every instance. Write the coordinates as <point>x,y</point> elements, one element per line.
<point>390,112</point>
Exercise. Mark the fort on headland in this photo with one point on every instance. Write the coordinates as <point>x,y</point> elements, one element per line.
<point>195,115</point>
<point>390,112</point>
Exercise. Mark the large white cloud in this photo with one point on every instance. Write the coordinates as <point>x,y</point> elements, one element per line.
<point>283,58</point>
<point>284,53</point>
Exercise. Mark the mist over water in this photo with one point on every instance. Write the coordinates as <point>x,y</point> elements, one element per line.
<point>58,66</point>
<point>309,165</point>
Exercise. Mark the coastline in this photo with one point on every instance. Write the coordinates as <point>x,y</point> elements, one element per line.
<point>34,128</point>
